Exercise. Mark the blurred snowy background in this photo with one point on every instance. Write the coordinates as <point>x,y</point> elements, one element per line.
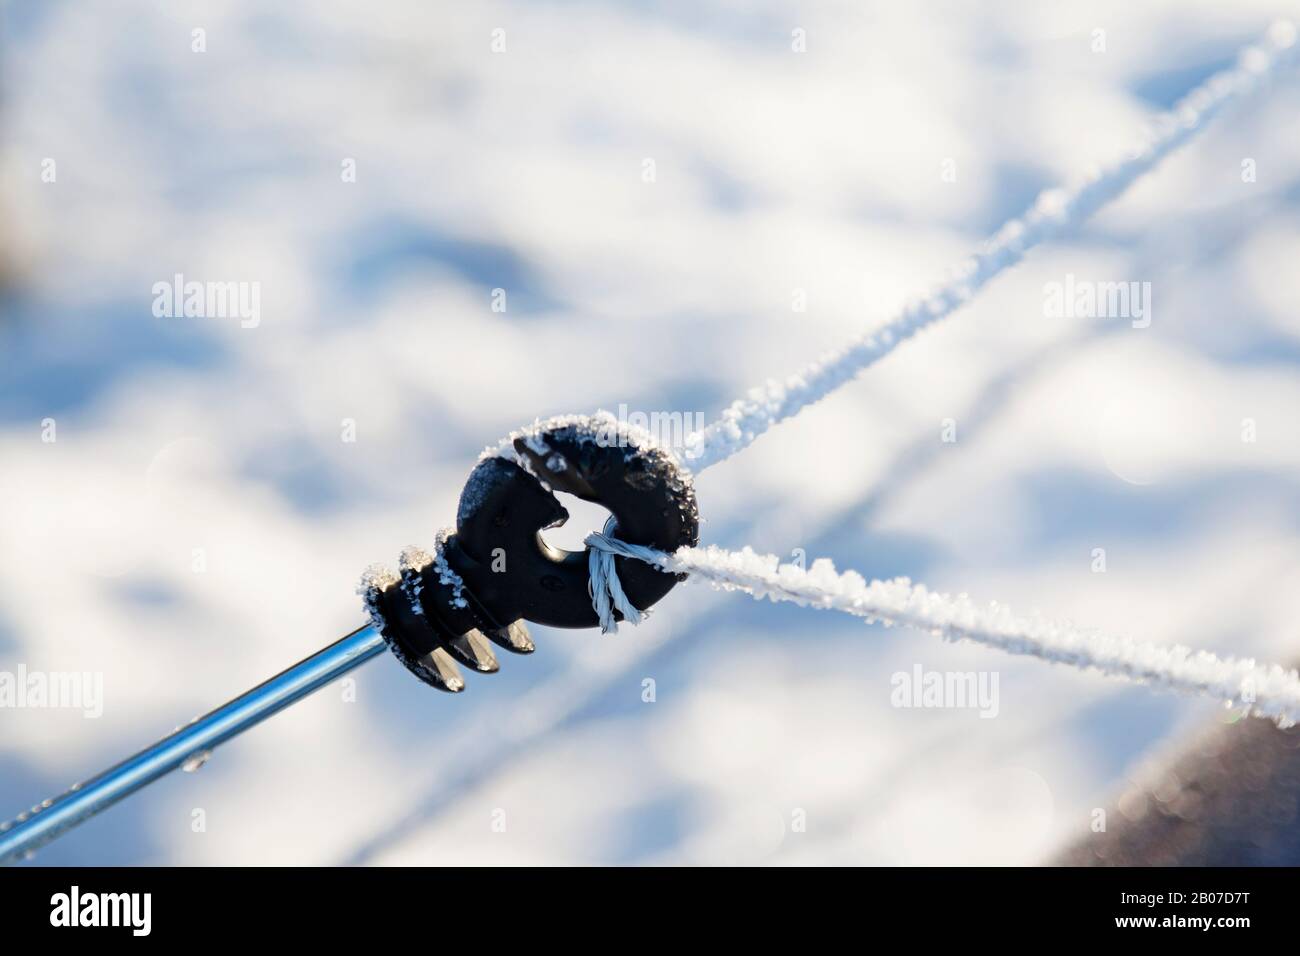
<point>775,171</point>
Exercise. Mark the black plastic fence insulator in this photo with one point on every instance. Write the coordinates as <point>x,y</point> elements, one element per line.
<point>508,575</point>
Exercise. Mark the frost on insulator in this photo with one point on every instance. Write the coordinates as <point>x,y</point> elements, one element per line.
<point>374,579</point>
<point>446,575</point>
<point>602,428</point>
<point>416,562</point>
<point>413,561</point>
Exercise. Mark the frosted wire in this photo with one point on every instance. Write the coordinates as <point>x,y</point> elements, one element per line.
<point>1265,690</point>
<point>1056,211</point>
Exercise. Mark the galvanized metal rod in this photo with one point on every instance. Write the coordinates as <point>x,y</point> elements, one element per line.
<point>48,820</point>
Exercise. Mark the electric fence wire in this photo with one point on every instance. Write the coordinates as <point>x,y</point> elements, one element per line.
<point>1264,690</point>
<point>1055,212</point>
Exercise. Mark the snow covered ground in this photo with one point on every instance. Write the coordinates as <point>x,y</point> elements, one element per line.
<point>658,188</point>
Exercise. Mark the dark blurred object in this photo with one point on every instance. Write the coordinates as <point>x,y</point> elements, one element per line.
<point>1231,798</point>
<point>13,267</point>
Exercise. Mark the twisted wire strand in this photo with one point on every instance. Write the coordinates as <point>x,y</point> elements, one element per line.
<point>1055,212</point>
<point>1264,690</point>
